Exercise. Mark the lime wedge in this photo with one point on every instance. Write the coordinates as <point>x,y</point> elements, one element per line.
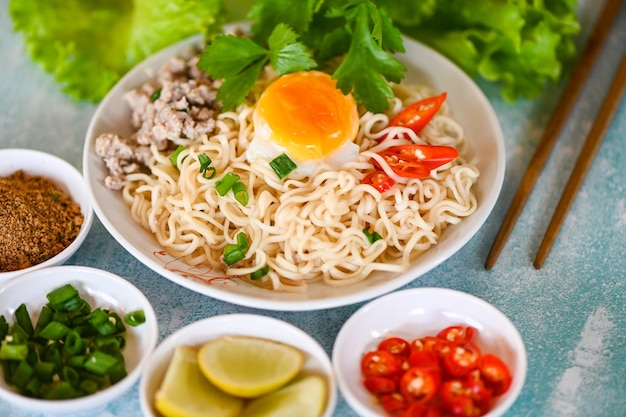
<point>303,398</point>
<point>185,392</point>
<point>248,366</point>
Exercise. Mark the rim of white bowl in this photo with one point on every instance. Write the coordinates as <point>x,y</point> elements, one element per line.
<point>100,397</point>
<point>515,342</point>
<point>75,185</point>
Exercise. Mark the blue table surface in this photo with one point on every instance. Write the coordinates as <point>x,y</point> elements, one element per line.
<point>571,313</point>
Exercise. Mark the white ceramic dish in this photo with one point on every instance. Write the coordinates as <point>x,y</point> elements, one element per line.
<point>66,177</point>
<point>100,289</point>
<point>466,101</point>
<point>421,312</point>
<point>317,361</point>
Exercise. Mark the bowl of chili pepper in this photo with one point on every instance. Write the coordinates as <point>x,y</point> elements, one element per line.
<point>46,212</point>
<point>429,352</point>
<point>72,338</point>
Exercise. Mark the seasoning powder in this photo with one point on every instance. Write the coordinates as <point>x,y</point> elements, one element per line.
<point>37,221</point>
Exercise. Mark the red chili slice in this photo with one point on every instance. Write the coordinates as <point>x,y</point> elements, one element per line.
<point>495,373</point>
<point>379,180</point>
<point>457,333</point>
<point>416,161</point>
<point>380,363</point>
<point>378,385</point>
<point>417,115</point>
<point>397,346</point>
<point>462,359</point>
<point>418,385</point>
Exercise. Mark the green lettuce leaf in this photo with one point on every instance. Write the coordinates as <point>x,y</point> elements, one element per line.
<point>88,45</point>
<point>522,45</point>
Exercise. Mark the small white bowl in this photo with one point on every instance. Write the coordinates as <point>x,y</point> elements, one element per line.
<point>421,312</point>
<point>100,289</point>
<point>316,360</point>
<point>66,177</point>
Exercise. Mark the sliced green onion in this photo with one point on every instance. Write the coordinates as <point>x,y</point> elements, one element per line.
<point>260,273</point>
<point>242,241</point>
<point>99,362</point>
<point>372,237</point>
<point>4,327</point>
<point>44,371</point>
<point>62,294</point>
<point>13,352</point>
<point>22,374</point>
<point>155,96</point>
<point>226,183</point>
<point>23,318</point>
<point>60,390</point>
<point>206,170</point>
<point>45,317</point>
<point>282,165</point>
<point>135,318</point>
<point>241,193</point>
<point>233,254</point>
<point>54,331</point>
<point>174,156</point>
<point>74,344</point>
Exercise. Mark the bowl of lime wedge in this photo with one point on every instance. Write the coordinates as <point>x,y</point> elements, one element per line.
<point>238,365</point>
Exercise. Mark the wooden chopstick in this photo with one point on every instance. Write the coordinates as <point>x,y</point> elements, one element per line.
<point>587,153</point>
<point>547,141</point>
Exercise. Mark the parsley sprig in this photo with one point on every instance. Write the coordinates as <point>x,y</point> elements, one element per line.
<point>298,36</point>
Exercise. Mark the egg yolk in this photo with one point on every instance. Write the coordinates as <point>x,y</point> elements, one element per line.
<point>307,114</point>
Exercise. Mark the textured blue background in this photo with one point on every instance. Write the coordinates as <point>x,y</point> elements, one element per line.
<point>571,313</point>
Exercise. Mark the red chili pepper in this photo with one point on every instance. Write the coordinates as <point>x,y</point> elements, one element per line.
<point>417,115</point>
<point>397,346</point>
<point>418,385</point>
<point>416,161</point>
<point>393,403</point>
<point>379,180</point>
<point>462,359</point>
<point>457,333</point>
<point>380,385</point>
<point>422,410</point>
<point>495,373</point>
<point>380,363</point>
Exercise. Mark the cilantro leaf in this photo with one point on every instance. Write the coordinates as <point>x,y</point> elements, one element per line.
<point>286,54</point>
<point>240,61</point>
<point>366,68</point>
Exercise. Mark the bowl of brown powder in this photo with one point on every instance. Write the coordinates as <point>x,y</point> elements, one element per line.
<point>45,211</point>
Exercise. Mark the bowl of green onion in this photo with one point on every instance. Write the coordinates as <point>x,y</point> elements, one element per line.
<point>72,338</point>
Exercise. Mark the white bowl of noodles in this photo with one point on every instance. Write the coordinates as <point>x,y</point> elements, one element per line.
<point>484,150</point>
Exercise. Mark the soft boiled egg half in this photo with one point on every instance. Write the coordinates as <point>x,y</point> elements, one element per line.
<point>305,116</point>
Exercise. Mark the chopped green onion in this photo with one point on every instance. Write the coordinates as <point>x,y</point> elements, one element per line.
<point>260,273</point>
<point>54,331</point>
<point>206,170</point>
<point>60,390</point>
<point>242,241</point>
<point>372,237</point>
<point>21,374</point>
<point>135,318</point>
<point>241,193</point>
<point>226,183</point>
<point>71,352</point>
<point>155,96</point>
<point>282,165</point>
<point>23,318</point>
<point>99,362</point>
<point>4,327</point>
<point>174,156</point>
<point>13,352</point>
<point>233,254</point>
<point>62,294</point>
<point>74,344</point>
